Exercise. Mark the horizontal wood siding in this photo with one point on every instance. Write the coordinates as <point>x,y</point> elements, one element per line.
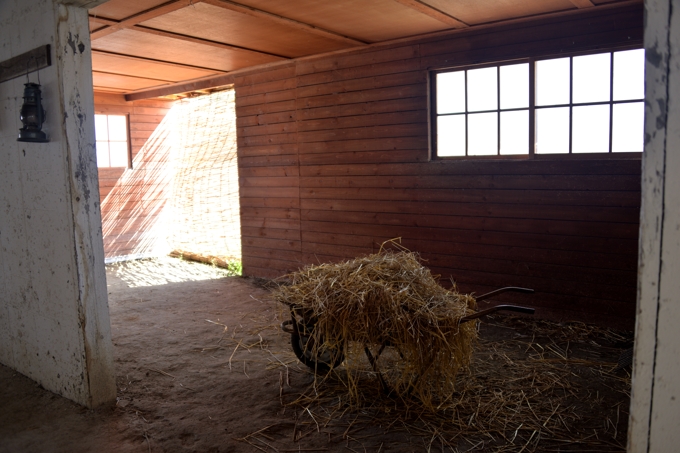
<point>334,160</point>
<point>269,172</point>
<point>132,199</point>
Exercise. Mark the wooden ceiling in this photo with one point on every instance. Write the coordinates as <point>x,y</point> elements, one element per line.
<point>142,45</point>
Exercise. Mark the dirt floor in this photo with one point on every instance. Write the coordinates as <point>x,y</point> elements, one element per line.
<point>202,366</point>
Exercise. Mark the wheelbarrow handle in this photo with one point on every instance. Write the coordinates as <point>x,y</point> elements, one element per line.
<point>488,311</point>
<point>503,290</point>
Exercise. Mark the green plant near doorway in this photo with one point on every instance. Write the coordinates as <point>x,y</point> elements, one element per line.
<point>235,268</point>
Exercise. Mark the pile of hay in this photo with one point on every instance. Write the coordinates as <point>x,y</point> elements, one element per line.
<point>387,298</point>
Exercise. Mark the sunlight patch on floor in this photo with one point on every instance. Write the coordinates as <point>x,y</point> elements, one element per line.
<point>163,270</point>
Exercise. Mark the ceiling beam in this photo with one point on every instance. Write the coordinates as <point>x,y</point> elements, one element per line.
<point>165,81</point>
<point>207,42</point>
<point>260,14</point>
<point>202,83</point>
<point>109,90</point>
<point>582,3</point>
<point>133,21</point>
<point>178,88</point>
<point>434,13</point>
<point>83,3</point>
<point>153,60</point>
<point>148,14</point>
<point>103,20</point>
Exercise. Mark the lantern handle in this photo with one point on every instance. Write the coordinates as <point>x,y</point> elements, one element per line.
<point>28,68</point>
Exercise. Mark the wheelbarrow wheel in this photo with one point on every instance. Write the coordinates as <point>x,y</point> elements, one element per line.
<point>321,359</point>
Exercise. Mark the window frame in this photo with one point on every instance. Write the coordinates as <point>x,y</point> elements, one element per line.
<point>129,139</point>
<point>531,155</point>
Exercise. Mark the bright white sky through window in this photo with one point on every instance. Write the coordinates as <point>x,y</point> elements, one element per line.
<point>577,101</point>
<point>112,140</point>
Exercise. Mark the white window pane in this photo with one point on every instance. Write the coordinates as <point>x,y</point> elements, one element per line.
<point>119,154</point>
<point>552,81</point>
<point>629,75</point>
<point>515,132</point>
<point>515,86</point>
<point>591,78</point>
<point>628,127</point>
<point>552,130</point>
<point>103,154</point>
<point>590,132</point>
<point>451,135</point>
<point>483,134</point>
<point>451,92</point>
<point>117,128</point>
<point>101,129</point>
<point>482,85</point>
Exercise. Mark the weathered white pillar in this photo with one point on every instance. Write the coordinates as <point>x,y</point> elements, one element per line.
<point>54,319</point>
<point>655,405</point>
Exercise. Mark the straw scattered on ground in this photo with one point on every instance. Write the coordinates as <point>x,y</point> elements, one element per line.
<point>532,386</point>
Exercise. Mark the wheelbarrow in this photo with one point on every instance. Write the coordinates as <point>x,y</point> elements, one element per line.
<point>322,358</point>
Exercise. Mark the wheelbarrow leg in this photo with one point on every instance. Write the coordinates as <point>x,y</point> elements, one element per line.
<point>374,364</point>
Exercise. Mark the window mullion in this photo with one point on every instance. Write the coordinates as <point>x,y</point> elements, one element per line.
<point>434,117</point>
<point>128,141</point>
<point>467,132</point>
<point>498,110</point>
<point>571,102</point>
<point>611,99</point>
<point>532,107</point>
<point>108,137</point>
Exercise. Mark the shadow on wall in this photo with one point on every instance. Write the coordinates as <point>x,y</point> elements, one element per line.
<point>182,190</point>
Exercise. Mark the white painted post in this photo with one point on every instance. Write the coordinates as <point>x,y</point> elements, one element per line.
<point>655,403</point>
<point>54,319</point>
<point>74,68</point>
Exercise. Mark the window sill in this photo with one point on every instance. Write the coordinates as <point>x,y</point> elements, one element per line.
<point>541,157</point>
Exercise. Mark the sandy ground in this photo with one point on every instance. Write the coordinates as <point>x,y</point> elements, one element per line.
<point>202,366</point>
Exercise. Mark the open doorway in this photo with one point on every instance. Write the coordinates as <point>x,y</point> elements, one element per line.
<point>179,191</point>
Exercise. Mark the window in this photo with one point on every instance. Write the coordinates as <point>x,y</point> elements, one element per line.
<point>569,105</point>
<point>112,140</point>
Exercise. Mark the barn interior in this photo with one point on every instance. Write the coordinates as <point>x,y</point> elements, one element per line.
<point>276,135</point>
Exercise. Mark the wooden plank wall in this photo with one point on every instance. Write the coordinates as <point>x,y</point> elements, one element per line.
<point>132,198</point>
<point>269,173</point>
<point>334,160</point>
